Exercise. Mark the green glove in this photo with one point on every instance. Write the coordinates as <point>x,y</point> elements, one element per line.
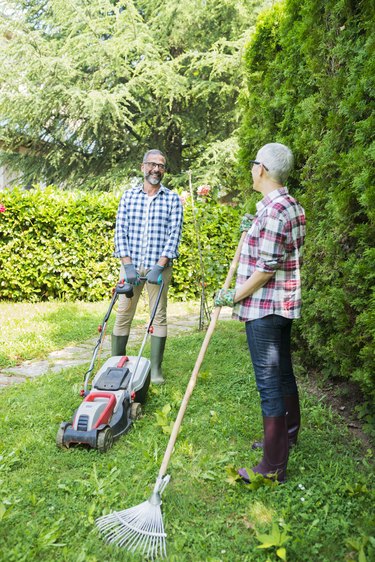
<point>246,222</point>
<point>225,297</point>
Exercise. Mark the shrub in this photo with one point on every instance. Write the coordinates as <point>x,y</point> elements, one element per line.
<point>310,74</point>
<point>218,232</point>
<point>59,244</point>
<point>56,245</point>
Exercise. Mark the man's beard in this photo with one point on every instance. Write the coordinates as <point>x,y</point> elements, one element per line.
<point>153,180</point>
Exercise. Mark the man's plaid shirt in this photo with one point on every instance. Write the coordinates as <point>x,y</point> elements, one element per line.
<point>164,225</point>
<point>273,244</point>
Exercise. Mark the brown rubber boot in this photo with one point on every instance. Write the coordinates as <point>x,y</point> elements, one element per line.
<point>293,421</point>
<point>275,450</point>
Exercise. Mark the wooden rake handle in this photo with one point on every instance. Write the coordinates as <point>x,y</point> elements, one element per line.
<point>198,363</point>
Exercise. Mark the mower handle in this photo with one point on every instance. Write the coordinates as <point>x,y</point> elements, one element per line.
<point>148,331</point>
<point>144,278</point>
<point>115,296</point>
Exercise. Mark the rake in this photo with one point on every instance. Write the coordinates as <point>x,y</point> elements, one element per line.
<point>141,528</point>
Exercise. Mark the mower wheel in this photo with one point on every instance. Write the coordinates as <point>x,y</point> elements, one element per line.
<point>60,438</point>
<point>104,440</point>
<point>141,394</point>
<point>135,411</point>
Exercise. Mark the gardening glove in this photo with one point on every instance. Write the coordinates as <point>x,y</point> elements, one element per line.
<point>246,222</point>
<point>131,274</point>
<point>154,275</point>
<point>224,297</point>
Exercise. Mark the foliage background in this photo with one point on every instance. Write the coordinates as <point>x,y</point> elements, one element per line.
<point>59,244</point>
<point>99,82</point>
<point>310,83</point>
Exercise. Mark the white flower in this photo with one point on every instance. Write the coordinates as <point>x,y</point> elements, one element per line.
<point>184,197</point>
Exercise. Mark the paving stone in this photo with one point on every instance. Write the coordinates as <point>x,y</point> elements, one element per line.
<point>93,341</point>
<point>69,352</point>
<point>65,364</point>
<point>29,369</point>
<point>8,380</point>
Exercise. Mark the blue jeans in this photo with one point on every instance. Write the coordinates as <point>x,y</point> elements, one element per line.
<point>268,339</point>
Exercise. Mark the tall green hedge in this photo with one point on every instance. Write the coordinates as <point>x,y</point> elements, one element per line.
<point>310,82</point>
<point>58,245</point>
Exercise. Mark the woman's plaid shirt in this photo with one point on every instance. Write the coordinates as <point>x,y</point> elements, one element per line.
<point>274,243</point>
<point>164,225</point>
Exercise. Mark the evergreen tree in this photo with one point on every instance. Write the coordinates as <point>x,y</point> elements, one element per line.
<point>88,85</point>
<point>310,72</point>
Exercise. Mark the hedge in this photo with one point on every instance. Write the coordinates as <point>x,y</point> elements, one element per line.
<point>310,81</point>
<point>59,244</point>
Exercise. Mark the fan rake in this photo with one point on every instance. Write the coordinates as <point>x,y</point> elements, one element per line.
<point>141,528</point>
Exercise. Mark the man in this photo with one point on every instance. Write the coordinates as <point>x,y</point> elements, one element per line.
<point>268,297</point>
<point>147,235</point>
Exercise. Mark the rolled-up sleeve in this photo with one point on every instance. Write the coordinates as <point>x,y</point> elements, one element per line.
<point>271,245</point>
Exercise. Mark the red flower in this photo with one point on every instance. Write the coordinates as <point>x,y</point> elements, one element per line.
<point>203,190</point>
<point>2,208</point>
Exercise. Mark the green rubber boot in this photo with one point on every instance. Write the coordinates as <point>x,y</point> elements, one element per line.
<point>119,345</point>
<point>157,352</point>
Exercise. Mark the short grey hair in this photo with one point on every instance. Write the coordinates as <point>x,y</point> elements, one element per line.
<point>153,151</point>
<point>279,160</point>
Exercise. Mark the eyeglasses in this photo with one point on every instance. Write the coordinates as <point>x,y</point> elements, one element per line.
<point>155,165</point>
<point>259,164</point>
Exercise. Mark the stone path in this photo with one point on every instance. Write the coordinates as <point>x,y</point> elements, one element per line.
<point>181,319</point>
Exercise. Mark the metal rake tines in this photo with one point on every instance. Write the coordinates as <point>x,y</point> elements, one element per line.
<point>139,528</point>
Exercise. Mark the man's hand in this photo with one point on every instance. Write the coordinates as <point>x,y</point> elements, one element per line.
<point>154,275</point>
<point>225,297</point>
<point>246,222</point>
<point>131,274</point>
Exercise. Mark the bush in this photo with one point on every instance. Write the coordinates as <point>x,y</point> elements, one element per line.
<point>310,75</point>
<point>218,233</point>
<point>56,245</point>
<point>59,244</point>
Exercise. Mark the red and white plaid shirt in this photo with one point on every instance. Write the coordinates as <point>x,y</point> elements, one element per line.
<point>273,244</point>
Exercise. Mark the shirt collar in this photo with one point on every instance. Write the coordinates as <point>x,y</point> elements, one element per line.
<point>162,188</point>
<point>271,197</point>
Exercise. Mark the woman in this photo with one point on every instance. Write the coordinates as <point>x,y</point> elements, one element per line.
<point>267,298</point>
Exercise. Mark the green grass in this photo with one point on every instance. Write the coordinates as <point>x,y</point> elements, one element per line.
<point>49,498</point>
<point>31,331</point>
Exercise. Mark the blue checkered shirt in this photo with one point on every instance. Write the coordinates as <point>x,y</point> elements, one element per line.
<point>164,225</point>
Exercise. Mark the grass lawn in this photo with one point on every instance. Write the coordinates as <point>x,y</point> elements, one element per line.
<point>50,498</point>
<point>31,331</point>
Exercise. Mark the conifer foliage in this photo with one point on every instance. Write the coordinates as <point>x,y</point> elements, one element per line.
<point>88,85</point>
<point>310,82</point>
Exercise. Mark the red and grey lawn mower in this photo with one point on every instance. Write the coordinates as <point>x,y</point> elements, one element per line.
<point>117,391</point>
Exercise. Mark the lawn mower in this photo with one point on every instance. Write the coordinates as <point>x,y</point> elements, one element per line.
<point>117,391</point>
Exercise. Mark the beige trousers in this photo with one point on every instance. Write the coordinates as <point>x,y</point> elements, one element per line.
<point>127,307</point>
